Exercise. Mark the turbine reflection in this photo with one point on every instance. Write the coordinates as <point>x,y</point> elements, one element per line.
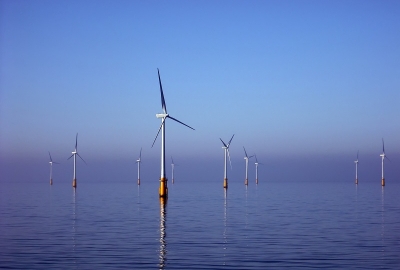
<point>225,224</point>
<point>163,233</point>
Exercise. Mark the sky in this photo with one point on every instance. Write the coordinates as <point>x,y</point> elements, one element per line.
<point>302,84</point>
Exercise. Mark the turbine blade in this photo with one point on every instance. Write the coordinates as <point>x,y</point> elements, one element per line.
<point>179,122</point>
<point>55,162</point>
<point>70,156</point>
<point>383,146</point>
<point>76,141</point>
<point>251,156</point>
<point>163,105</point>
<point>357,155</point>
<point>229,156</point>
<point>387,158</point>
<point>81,158</point>
<point>230,140</point>
<point>162,123</point>
<point>140,155</point>
<point>256,158</point>
<point>172,160</point>
<point>223,143</point>
<point>245,151</point>
<point>50,157</point>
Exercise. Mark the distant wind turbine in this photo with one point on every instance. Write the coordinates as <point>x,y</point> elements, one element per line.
<point>226,153</point>
<point>51,168</point>
<point>173,167</point>
<point>74,154</point>
<point>138,166</point>
<point>256,168</point>
<point>246,158</point>
<point>383,155</point>
<point>163,190</point>
<point>356,162</point>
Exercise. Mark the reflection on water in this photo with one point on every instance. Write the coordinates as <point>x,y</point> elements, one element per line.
<point>163,233</point>
<point>383,221</point>
<point>225,223</point>
<point>74,226</point>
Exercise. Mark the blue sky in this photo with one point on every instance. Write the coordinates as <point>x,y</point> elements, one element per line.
<point>292,79</point>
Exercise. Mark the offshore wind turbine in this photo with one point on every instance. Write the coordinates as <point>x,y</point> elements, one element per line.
<point>138,166</point>
<point>383,155</point>
<point>173,167</point>
<point>256,163</point>
<point>74,154</point>
<point>246,158</point>
<point>226,152</point>
<point>356,162</point>
<point>51,168</point>
<point>163,190</point>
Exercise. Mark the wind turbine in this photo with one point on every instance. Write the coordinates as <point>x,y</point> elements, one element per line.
<point>51,169</point>
<point>163,190</point>
<point>226,152</point>
<point>74,154</point>
<point>173,167</point>
<point>383,155</point>
<point>246,158</point>
<point>138,166</point>
<point>356,162</point>
<point>256,168</point>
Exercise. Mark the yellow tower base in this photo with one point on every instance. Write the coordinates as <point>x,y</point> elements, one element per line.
<point>172,180</point>
<point>163,190</point>
<point>74,183</point>
<point>257,181</point>
<point>246,182</point>
<point>225,183</point>
<point>356,181</point>
<point>51,181</point>
<point>138,182</point>
<point>383,182</point>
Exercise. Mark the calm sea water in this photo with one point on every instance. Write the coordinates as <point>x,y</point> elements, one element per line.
<point>270,226</point>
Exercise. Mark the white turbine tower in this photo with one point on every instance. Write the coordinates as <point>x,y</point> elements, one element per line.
<point>383,155</point>
<point>226,152</point>
<point>256,168</point>
<point>138,166</point>
<point>74,154</point>
<point>246,158</point>
<point>163,190</point>
<point>173,167</point>
<point>356,162</point>
<point>51,169</point>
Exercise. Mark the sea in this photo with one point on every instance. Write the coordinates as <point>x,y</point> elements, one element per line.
<point>269,225</point>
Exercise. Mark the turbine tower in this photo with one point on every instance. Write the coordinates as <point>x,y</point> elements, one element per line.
<point>383,155</point>
<point>74,154</point>
<point>256,168</point>
<point>356,162</point>
<point>51,169</point>
<point>226,152</point>
<point>173,167</point>
<point>138,166</point>
<point>163,190</point>
<point>246,158</point>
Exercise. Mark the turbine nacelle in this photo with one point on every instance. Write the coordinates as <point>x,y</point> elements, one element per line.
<point>162,115</point>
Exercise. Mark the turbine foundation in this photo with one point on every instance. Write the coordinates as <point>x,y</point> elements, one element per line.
<point>74,183</point>
<point>246,182</point>
<point>356,181</point>
<point>51,182</point>
<point>383,182</point>
<point>225,182</point>
<point>257,181</point>
<point>172,180</point>
<point>138,182</point>
<point>163,190</point>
